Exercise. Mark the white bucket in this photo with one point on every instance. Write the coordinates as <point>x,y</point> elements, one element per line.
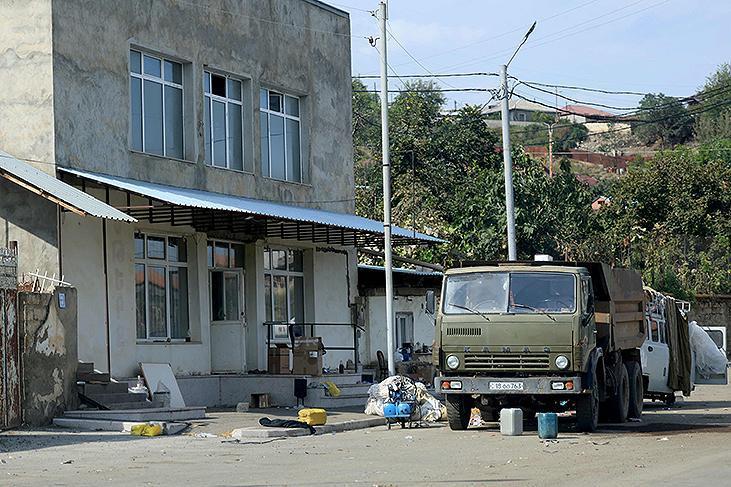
<point>511,422</point>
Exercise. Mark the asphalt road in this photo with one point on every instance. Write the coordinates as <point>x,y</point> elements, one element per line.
<point>685,445</point>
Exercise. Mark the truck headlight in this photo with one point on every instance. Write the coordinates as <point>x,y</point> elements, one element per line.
<point>562,362</point>
<point>452,362</point>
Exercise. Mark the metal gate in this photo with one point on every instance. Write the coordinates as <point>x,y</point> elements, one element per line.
<point>10,366</point>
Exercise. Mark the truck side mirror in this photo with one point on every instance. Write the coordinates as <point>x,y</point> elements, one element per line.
<point>430,306</point>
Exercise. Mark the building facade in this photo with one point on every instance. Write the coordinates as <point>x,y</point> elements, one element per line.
<point>223,131</point>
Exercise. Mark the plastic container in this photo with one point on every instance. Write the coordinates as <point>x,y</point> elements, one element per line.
<point>511,422</point>
<point>312,416</point>
<point>547,426</point>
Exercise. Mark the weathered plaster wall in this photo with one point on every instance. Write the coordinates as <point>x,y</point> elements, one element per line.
<point>713,310</point>
<point>49,353</point>
<point>27,129</point>
<point>91,83</point>
<point>412,301</point>
<point>333,290</point>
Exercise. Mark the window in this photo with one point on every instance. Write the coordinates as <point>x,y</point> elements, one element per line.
<point>226,263</point>
<point>161,287</point>
<point>224,127</point>
<point>284,290</point>
<point>279,118</point>
<point>404,329</point>
<point>156,105</point>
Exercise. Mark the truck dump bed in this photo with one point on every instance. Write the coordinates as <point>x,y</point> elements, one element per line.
<point>619,302</point>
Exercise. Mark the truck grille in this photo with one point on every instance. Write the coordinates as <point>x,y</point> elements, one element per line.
<point>466,332</point>
<point>479,361</point>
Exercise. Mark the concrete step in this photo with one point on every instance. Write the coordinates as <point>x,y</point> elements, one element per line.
<point>141,414</point>
<point>93,377</point>
<point>336,402</point>
<point>85,367</point>
<point>104,388</point>
<point>117,397</point>
<point>337,379</point>
<point>121,406</point>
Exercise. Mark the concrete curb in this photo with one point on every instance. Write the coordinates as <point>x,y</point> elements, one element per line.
<point>261,432</point>
<point>169,428</point>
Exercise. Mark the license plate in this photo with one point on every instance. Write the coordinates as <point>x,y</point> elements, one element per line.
<point>506,386</point>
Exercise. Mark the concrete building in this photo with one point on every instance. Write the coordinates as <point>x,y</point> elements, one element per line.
<point>522,112</point>
<point>413,324</point>
<point>216,140</point>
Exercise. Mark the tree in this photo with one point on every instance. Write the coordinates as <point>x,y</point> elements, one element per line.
<point>714,121</point>
<point>567,138</point>
<point>663,119</point>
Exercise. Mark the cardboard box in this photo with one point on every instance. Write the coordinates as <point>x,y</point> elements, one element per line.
<point>307,356</point>
<point>278,359</point>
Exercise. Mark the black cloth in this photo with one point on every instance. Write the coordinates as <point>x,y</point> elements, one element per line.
<point>286,423</point>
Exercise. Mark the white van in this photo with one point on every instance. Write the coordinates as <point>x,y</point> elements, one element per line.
<point>655,352</point>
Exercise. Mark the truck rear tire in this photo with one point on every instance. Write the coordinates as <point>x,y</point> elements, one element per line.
<point>458,411</point>
<point>618,404</point>
<point>636,390</point>
<point>587,410</point>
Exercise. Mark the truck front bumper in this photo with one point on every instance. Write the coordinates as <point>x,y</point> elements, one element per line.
<point>505,385</point>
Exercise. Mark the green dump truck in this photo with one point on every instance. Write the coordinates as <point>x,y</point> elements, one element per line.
<point>542,336</point>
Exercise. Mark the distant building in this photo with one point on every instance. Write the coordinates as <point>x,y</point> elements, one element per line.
<point>522,112</point>
<point>594,119</point>
<point>600,202</point>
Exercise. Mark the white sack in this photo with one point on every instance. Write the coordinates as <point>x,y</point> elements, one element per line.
<point>709,359</point>
<point>429,407</point>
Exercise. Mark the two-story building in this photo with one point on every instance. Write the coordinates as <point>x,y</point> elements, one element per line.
<point>215,139</point>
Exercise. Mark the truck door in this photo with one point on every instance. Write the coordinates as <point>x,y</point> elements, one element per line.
<point>718,335</point>
<point>655,353</point>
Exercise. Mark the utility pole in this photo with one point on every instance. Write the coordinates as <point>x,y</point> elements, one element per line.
<point>508,164</point>
<point>550,150</point>
<point>507,157</point>
<point>388,264</point>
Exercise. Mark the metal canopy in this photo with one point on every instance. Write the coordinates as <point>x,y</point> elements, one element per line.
<point>208,211</point>
<point>55,190</point>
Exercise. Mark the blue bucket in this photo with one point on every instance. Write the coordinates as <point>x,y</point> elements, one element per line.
<point>547,426</point>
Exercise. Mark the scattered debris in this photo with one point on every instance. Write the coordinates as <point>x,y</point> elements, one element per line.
<point>600,442</point>
<point>664,438</point>
<point>67,462</point>
<point>205,435</point>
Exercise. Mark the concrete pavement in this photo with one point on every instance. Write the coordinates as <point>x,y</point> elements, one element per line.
<point>685,445</point>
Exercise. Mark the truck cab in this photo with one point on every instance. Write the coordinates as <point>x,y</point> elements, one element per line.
<point>533,335</point>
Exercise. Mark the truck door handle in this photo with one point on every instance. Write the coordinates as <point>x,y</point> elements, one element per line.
<point>650,349</point>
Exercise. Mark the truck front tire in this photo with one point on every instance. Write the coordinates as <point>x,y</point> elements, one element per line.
<point>636,390</point>
<point>587,409</point>
<point>458,411</point>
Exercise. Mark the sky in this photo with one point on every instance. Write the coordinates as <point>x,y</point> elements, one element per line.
<point>667,46</point>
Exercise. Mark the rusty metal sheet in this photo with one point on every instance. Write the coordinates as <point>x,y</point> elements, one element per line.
<point>11,393</point>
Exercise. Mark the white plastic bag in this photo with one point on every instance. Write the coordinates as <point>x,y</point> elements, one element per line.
<point>429,408</point>
<point>709,360</point>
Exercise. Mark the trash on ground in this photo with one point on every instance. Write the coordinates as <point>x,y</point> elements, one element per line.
<point>286,423</point>
<point>146,429</point>
<point>205,435</point>
<point>429,408</point>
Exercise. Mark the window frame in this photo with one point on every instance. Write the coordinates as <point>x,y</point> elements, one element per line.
<point>167,265</point>
<point>208,99</point>
<point>240,271</point>
<point>287,274</point>
<point>283,113</point>
<point>142,76</point>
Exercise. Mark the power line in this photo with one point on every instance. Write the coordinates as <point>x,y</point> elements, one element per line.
<point>432,75</point>
<point>550,37</point>
<point>431,90</point>
<point>594,90</point>
<point>389,31</point>
<point>519,29</point>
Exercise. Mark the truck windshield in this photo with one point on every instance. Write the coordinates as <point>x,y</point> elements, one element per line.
<point>511,292</point>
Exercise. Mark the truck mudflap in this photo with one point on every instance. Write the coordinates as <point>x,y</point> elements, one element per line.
<point>506,385</point>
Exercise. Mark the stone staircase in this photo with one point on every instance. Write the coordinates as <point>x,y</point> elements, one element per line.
<point>99,391</point>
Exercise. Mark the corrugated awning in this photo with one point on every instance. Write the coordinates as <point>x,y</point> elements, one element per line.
<point>207,211</point>
<point>55,190</point>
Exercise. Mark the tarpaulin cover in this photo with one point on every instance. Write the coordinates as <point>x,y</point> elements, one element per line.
<point>679,344</point>
<point>709,360</point>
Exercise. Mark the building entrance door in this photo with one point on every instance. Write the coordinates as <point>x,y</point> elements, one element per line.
<point>228,320</point>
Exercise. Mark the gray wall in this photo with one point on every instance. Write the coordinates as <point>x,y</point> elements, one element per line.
<point>713,310</point>
<point>49,354</point>
<point>27,129</point>
<point>91,86</point>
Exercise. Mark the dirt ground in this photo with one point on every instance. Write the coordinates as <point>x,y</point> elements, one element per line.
<point>685,445</point>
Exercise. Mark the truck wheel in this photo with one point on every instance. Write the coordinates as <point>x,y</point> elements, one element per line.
<point>458,411</point>
<point>618,404</point>
<point>587,409</point>
<point>636,390</point>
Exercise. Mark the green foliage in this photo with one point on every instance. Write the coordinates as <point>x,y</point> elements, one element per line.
<point>668,217</point>
<point>567,138</point>
<point>715,120</point>
<point>663,119</point>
